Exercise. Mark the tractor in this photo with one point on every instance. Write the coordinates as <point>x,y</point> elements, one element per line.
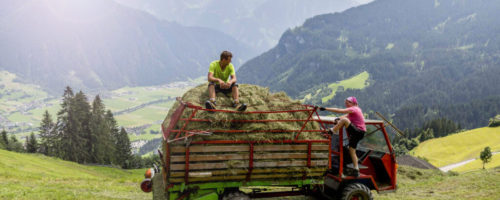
<point>202,169</point>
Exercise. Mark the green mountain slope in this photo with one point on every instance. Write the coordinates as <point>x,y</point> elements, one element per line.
<point>29,176</point>
<point>426,59</point>
<point>459,147</point>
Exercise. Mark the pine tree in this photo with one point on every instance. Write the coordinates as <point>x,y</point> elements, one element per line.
<point>80,117</point>
<point>48,137</point>
<point>100,141</point>
<point>123,149</point>
<point>114,133</point>
<point>15,145</point>
<point>72,127</point>
<point>4,141</point>
<point>31,144</point>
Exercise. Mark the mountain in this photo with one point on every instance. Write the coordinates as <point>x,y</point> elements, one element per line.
<point>91,44</point>
<point>257,23</point>
<point>425,59</point>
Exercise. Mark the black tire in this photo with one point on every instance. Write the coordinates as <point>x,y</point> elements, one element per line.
<point>237,195</point>
<point>356,191</point>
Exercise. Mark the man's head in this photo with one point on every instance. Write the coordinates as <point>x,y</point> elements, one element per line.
<point>350,101</point>
<point>225,58</point>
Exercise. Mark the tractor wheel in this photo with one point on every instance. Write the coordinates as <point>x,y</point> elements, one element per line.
<point>356,191</point>
<point>236,195</point>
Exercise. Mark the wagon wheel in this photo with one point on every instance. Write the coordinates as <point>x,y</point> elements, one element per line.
<point>356,191</point>
<point>237,195</point>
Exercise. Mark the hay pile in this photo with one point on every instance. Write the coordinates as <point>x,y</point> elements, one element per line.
<point>258,99</point>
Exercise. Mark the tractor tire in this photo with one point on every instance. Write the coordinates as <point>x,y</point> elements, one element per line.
<point>356,191</point>
<point>237,195</point>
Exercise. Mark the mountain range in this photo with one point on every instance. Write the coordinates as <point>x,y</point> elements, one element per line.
<point>256,23</point>
<point>426,59</point>
<point>96,44</point>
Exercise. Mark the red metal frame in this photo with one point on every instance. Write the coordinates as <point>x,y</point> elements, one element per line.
<point>389,160</point>
<point>311,110</point>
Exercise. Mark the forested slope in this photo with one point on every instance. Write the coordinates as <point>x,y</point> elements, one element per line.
<point>426,59</point>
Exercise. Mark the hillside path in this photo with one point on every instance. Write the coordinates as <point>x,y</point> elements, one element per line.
<point>455,165</point>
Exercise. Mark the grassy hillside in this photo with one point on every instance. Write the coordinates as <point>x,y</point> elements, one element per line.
<point>356,82</point>
<point>421,184</point>
<point>432,184</point>
<point>458,147</point>
<point>478,164</point>
<point>29,176</point>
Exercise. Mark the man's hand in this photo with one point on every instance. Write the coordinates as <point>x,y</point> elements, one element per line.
<point>222,84</point>
<point>225,85</point>
<point>322,108</point>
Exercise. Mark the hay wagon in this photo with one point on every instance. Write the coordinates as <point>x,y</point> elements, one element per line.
<point>225,168</point>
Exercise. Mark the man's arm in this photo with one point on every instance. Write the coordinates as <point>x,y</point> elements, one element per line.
<point>211,78</point>
<point>233,79</point>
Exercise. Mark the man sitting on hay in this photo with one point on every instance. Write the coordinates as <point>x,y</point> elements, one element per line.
<point>218,75</point>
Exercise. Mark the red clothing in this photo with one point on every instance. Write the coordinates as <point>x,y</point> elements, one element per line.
<point>356,117</point>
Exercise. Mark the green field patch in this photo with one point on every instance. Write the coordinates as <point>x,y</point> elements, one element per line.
<point>18,117</point>
<point>117,104</point>
<point>458,147</point>
<point>147,115</point>
<point>416,183</point>
<point>356,82</point>
<point>478,164</point>
<point>34,176</point>
<point>152,132</point>
<point>53,109</point>
<point>146,137</point>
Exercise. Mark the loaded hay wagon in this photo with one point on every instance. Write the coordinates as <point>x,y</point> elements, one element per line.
<point>225,154</point>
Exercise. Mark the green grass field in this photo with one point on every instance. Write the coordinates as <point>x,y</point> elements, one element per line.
<point>458,147</point>
<point>355,82</point>
<point>34,176</point>
<point>432,184</point>
<point>478,164</point>
<point>14,94</point>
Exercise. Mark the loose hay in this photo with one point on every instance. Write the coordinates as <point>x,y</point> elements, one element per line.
<point>257,99</point>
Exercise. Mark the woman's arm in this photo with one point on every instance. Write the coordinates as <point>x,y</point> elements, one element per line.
<point>337,110</point>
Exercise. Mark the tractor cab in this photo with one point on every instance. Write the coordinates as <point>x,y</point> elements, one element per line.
<point>376,161</point>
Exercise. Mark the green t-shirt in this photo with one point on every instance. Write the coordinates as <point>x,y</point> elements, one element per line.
<point>216,70</point>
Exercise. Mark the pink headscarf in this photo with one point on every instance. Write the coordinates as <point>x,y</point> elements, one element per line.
<point>352,99</point>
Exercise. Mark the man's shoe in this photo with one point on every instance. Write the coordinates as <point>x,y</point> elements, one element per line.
<point>240,106</point>
<point>210,105</point>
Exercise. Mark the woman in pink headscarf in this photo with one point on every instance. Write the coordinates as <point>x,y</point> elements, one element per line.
<point>354,123</point>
